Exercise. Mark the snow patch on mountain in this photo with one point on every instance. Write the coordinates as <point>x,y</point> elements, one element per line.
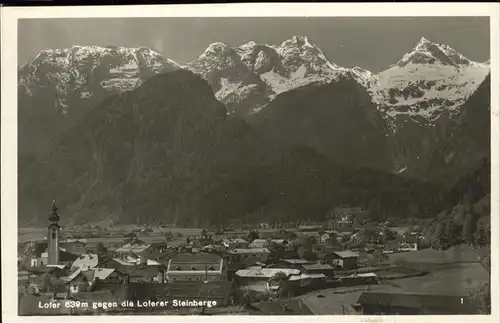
<point>427,52</point>
<point>364,77</point>
<point>430,80</point>
<point>226,88</point>
<point>426,90</point>
<point>86,70</point>
<point>281,84</point>
<point>269,69</point>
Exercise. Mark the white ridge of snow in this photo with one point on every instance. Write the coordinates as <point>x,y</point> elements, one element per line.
<point>227,88</point>
<point>71,69</point>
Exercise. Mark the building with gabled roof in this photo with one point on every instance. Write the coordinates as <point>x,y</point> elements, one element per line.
<point>264,243</point>
<point>86,261</point>
<point>196,267</point>
<point>345,259</point>
<point>248,256</point>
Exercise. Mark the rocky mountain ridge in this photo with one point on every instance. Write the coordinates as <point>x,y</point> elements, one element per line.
<point>417,101</point>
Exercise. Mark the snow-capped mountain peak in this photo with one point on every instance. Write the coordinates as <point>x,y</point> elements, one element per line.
<point>89,71</point>
<point>296,41</point>
<point>216,49</point>
<point>269,69</point>
<point>430,81</point>
<point>427,52</point>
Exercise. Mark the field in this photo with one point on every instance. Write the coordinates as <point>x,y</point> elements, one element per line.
<point>452,272</point>
<point>455,254</point>
<point>114,235</point>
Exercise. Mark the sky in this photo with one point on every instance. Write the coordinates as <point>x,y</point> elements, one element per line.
<point>371,43</point>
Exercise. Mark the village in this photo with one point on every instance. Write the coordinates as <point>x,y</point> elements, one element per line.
<point>337,268</point>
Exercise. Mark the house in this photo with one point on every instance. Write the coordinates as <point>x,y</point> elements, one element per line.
<point>410,243</point>
<point>325,251</point>
<point>106,275</point>
<point>289,263</point>
<point>213,248</point>
<point>346,233</point>
<point>316,268</point>
<point>119,267</point>
<point>310,228</point>
<point>80,280</point>
<point>372,303</point>
<point>130,235</point>
<point>327,236</point>
<point>265,243</point>
<point>315,234</point>
<point>133,245</point>
<point>307,281</point>
<point>65,258</point>
<point>358,279</point>
<point>144,274</point>
<point>196,267</point>
<point>283,234</point>
<point>345,259</point>
<point>263,226</point>
<point>235,243</point>
<point>263,274</point>
<point>86,261</point>
<point>347,214</point>
<point>248,256</point>
<point>74,246</point>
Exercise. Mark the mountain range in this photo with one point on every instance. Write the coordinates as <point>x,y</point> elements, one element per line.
<point>247,131</point>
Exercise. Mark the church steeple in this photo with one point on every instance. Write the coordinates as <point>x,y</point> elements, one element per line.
<point>54,217</point>
<point>53,236</point>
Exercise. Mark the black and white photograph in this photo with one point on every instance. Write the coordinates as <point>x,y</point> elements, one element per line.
<point>252,165</point>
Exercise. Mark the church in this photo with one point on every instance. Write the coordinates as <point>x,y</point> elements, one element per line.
<point>50,252</point>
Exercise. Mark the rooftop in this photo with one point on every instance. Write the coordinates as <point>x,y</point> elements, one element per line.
<point>265,272</point>
<point>249,250</point>
<point>198,258</point>
<point>346,254</point>
<point>103,273</point>
<point>296,261</point>
<point>317,267</point>
<point>89,260</point>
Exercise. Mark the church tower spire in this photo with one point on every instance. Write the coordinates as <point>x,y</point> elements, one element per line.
<point>53,236</point>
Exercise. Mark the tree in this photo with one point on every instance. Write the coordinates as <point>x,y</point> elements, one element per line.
<point>305,241</point>
<point>277,250</point>
<point>469,227</point>
<point>400,261</point>
<point>482,299</point>
<point>100,248</point>
<point>388,234</point>
<point>332,239</point>
<point>278,277</point>
<point>452,234</point>
<point>252,235</point>
<point>482,236</point>
<point>437,237</point>
<point>169,236</point>
<point>378,257</point>
<point>47,283</point>
<point>307,254</point>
